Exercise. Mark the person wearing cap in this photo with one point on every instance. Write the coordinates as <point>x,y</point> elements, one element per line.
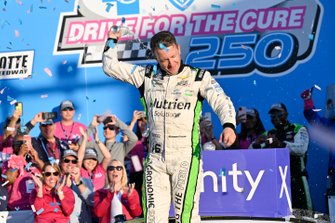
<point>251,127</point>
<point>83,196</point>
<point>48,146</point>
<point>67,129</point>
<point>93,171</point>
<point>295,137</point>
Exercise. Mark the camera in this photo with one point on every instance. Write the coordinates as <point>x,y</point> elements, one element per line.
<point>49,115</point>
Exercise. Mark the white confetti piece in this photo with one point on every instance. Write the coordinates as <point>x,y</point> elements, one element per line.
<point>12,102</point>
<point>48,71</point>
<point>317,87</point>
<point>44,96</point>
<point>79,117</point>
<point>317,109</point>
<point>5,183</point>
<point>3,90</point>
<point>244,47</point>
<point>64,62</point>
<point>33,208</point>
<point>254,82</point>
<point>277,47</point>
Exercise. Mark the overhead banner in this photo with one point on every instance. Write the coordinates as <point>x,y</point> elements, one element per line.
<point>228,38</point>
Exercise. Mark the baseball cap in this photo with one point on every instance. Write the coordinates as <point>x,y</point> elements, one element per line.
<point>69,152</point>
<point>251,112</point>
<point>66,104</point>
<point>278,107</point>
<point>47,122</point>
<point>91,153</point>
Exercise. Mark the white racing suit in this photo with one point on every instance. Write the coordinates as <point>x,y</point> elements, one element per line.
<point>173,105</point>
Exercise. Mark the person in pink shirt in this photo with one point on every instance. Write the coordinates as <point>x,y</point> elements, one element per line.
<point>67,129</point>
<point>118,200</point>
<point>16,173</point>
<point>92,172</point>
<point>52,199</point>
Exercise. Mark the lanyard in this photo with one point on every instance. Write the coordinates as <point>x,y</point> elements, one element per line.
<point>67,137</point>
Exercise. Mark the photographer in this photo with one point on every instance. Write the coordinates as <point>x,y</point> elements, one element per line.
<point>16,172</point>
<point>47,145</point>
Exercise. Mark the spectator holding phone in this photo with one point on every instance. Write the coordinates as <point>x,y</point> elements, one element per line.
<point>112,127</point>
<point>52,199</point>
<point>17,169</point>
<point>11,127</point>
<point>47,145</point>
<point>67,129</point>
<point>251,127</point>
<point>119,200</point>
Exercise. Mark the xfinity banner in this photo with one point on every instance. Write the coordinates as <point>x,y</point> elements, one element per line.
<point>232,37</point>
<point>253,183</point>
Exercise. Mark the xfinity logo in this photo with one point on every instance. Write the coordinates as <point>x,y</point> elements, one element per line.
<point>238,175</point>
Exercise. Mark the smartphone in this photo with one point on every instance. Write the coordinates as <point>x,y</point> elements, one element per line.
<point>242,114</point>
<point>19,107</point>
<point>49,115</point>
<point>143,115</point>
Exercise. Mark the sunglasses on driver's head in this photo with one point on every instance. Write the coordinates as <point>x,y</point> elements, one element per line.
<point>111,168</point>
<point>48,174</point>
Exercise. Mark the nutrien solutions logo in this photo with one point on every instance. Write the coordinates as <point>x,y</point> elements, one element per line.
<point>228,38</point>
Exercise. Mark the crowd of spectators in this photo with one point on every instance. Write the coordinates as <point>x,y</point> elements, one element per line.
<point>69,173</point>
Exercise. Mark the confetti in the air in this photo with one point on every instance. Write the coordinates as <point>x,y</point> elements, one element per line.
<point>40,211</point>
<point>12,102</point>
<point>64,62</point>
<point>3,90</point>
<point>311,36</point>
<point>317,109</point>
<point>33,208</point>
<point>215,6</point>
<point>69,69</point>
<point>317,87</point>
<point>123,20</point>
<point>133,69</point>
<point>48,71</point>
<point>17,34</point>
<point>44,95</point>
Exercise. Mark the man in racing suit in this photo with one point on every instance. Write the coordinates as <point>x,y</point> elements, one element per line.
<point>172,94</point>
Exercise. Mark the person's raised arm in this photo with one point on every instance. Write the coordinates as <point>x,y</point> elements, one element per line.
<point>82,147</point>
<point>106,154</point>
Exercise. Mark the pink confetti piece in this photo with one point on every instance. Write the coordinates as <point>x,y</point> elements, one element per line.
<point>244,47</point>
<point>19,2</point>
<point>64,62</point>
<point>48,71</point>
<point>17,34</point>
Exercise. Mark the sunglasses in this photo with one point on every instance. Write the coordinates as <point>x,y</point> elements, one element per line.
<point>110,127</point>
<point>44,125</point>
<point>277,115</point>
<point>72,161</point>
<point>111,168</point>
<point>67,109</point>
<point>48,174</point>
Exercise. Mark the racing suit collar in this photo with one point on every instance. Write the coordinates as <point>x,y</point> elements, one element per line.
<point>164,73</point>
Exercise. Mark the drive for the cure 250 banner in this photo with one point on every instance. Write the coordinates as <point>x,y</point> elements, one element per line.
<point>231,37</point>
